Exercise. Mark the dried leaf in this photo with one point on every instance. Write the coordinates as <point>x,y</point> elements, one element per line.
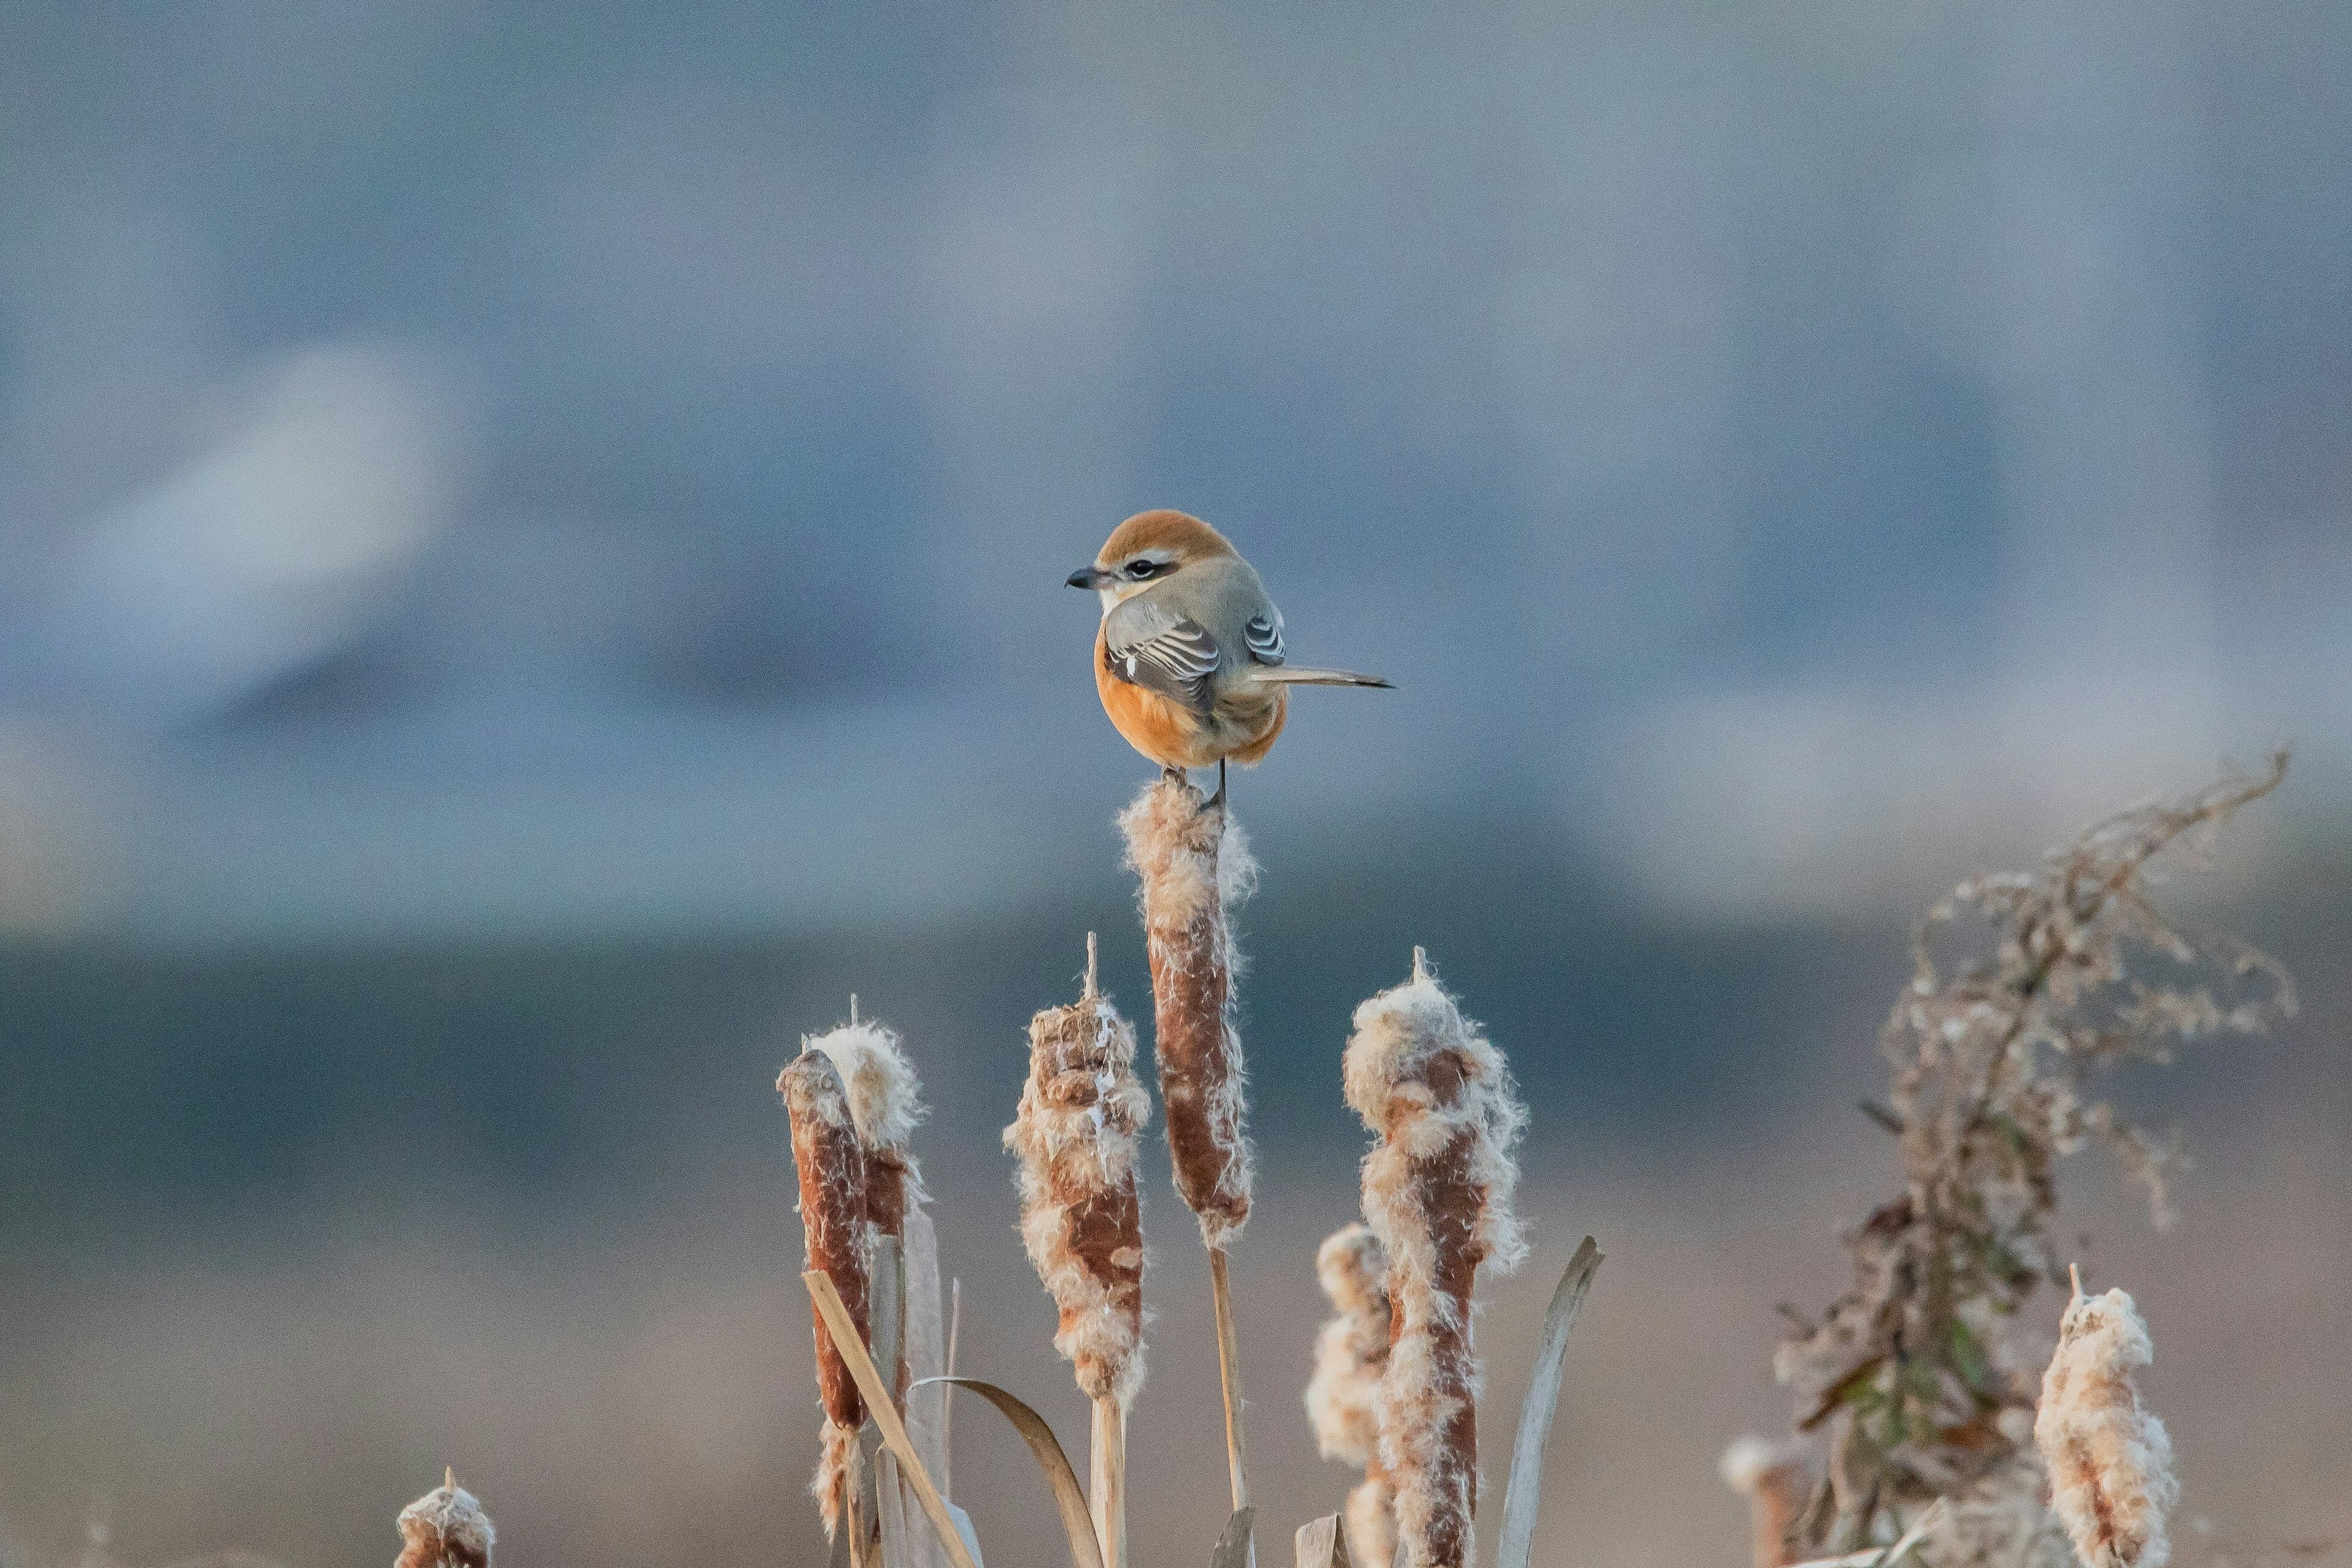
<point>1320,1543</point>
<point>886,1416</point>
<point>1233,1549</point>
<point>1069,1497</point>
<point>1523,1496</point>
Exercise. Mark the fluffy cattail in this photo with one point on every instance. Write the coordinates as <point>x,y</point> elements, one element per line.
<point>886,1103</point>
<point>1351,1351</point>
<point>1194,865</point>
<point>1081,1219</point>
<point>832,1166</point>
<point>1776,1483</point>
<point>446,1528</point>
<point>1439,1099</point>
<point>2110,1462</point>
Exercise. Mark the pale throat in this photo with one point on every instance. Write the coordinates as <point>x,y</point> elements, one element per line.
<point>1115,594</point>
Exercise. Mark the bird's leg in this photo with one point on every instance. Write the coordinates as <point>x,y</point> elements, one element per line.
<point>1218,799</point>
<point>1170,773</point>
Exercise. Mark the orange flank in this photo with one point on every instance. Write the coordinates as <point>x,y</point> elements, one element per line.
<point>1240,726</point>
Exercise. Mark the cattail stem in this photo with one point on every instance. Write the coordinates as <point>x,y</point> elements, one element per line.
<point>1229,1376</point>
<point>1106,1481</point>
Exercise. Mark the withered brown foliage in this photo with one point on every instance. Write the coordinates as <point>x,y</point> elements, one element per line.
<point>2024,988</point>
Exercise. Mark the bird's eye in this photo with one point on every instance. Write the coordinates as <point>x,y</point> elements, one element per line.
<point>1140,567</point>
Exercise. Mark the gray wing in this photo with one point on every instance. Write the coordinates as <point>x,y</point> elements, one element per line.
<point>1147,645</point>
<point>1262,636</point>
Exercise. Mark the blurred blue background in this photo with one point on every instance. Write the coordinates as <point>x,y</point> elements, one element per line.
<point>534,543</point>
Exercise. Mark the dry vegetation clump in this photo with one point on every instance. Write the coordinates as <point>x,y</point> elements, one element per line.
<point>1352,1351</point>
<point>2023,988</point>
<point>1438,1188</point>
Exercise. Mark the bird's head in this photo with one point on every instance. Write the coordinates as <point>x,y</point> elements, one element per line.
<point>1148,548</point>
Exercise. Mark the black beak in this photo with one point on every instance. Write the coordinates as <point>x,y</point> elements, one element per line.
<point>1089,577</point>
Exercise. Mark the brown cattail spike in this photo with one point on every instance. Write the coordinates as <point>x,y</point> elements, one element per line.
<point>1776,1483</point>
<point>1351,1351</point>
<point>446,1528</point>
<point>1437,1189</point>
<point>2110,1462</point>
<point>832,1166</point>
<point>1081,1218</point>
<point>1194,865</point>
<point>885,1101</point>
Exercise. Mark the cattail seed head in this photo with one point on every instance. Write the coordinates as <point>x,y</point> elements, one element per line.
<point>1437,1189</point>
<point>1777,1482</point>
<point>1351,1348</point>
<point>831,1163</point>
<point>446,1528</point>
<point>2110,1462</point>
<point>1351,1351</point>
<point>1194,866</point>
<point>885,1099</point>
<point>1081,1217</point>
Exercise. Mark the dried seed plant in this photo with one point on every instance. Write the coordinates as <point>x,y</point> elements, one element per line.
<point>1082,1219</point>
<point>1437,1189</point>
<point>1351,1351</point>
<point>446,1528</point>
<point>831,1163</point>
<point>2110,1462</point>
<point>2023,988</point>
<point>1192,865</point>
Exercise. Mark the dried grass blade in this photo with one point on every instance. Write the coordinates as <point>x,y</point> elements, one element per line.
<point>1523,1495</point>
<point>1320,1543</point>
<point>1069,1497</point>
<point>886,1416</point>
<point>1234,1547</point>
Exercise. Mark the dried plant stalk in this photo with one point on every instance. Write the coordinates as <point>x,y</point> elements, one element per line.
<point>2110,1462</point>
<point>1194,865</point>
<point>2023,988</point>
<point>1438,1188</point>
<point>446,1528</point>
<point>831,1162</point>
<point>1082,1217</point>
<point>1777,1482</point>
<point>1351,1351</point>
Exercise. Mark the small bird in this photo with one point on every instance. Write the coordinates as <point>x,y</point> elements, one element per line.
<point>1190,660</point>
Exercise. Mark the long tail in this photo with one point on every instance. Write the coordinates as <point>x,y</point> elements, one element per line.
<point>1297,675</point>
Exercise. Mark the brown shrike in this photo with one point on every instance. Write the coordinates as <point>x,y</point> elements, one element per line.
<point>1190,661</point>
